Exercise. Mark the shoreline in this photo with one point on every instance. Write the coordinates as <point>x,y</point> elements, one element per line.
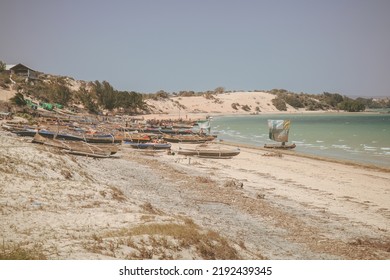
<point>315,157</point>
<point>192,115</point>
<point>378,159</point>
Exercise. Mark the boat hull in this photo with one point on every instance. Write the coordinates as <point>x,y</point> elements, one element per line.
<point>217,153</point>
<point>280,146</point>
<point>149,146</point>
<point>77,147</point>
<point>190,139</point>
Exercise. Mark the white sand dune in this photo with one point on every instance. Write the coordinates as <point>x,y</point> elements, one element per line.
<point>222,104</point>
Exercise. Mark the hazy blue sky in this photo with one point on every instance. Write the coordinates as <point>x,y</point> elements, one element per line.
<point>146,45</point>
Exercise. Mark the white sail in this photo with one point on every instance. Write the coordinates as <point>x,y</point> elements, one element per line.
<point>204,126</point>
<point>278,130</point>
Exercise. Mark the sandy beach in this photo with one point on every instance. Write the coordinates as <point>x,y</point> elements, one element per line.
<point>257,205</point>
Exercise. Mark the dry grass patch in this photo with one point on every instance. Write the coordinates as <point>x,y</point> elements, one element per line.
<point>273,154</point>
<point>22,252</point>
<point>149,208</point>
<point>147,218</point>
<point>67,174</point>
<point>117,194</point>
<point>164,241</point>
<point>204,180</point>
<point>383,245</point>
<point>233,183</point>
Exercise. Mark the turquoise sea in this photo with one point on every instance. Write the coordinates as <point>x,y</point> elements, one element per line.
<point>358,137</point>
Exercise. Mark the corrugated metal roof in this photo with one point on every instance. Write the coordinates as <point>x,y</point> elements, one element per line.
<point>9,66</point>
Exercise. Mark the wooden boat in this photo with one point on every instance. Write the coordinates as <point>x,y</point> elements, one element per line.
<point>31,132</point>
<point>77,147</point>
<point>136,137</point>
<point>280,146</point>
<point>193,138</point>
<point>100,138</point>
<point>89,138</point>
<point>149,145</point>
<point>206,152</point>
<point>13,127</point>
<point>278,131</point>
<point>182,126</point>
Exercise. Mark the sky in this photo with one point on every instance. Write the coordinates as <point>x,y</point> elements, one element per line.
<point>310,46</point>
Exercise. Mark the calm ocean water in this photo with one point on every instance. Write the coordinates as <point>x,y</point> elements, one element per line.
<point>359,137</point>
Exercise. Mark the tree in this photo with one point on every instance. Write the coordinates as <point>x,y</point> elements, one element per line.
<point>279,104</point>
<point>2,66</point>
<point>162,94</point>
<point>333,99</point>
<point>61,94</point>
<point>293,100</point>
<point>219,90</point>
<point>130,101</point>
<point>352,105</point>
<point>106,95</point>
<point>87,100</point>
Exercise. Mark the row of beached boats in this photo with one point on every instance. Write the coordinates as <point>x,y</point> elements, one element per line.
<point>88,140</point>
<point>76,140</point>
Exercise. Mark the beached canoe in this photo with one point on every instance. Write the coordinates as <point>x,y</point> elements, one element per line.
<point>193,138</point>
<point>149,145</point>
<point>89,138</point>
<point>31,132</point>
<point>136,137</point>
<point>101,138</point>
<point>78,147</point>
<point>210,152</point>
<point>280,146</point>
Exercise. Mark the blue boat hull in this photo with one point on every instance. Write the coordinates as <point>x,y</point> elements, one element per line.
<point>151,146</point>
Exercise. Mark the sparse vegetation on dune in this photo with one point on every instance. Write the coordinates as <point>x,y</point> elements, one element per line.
<point>96,97</point>
<point>21,251</point>
<point>163,241</point>
<point>324,101</point>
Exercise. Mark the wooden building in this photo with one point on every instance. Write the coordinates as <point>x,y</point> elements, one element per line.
<point>21,70</point>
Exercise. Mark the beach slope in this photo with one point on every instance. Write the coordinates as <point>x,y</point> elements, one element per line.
<point>257,205</point>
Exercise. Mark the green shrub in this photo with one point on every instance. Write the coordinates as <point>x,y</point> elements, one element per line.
<point>246,108</point>
<point>293,100</point>
<point>235,106</point>
<point>279,104</point>
<point>352,106</point>
<point>18,100</point>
